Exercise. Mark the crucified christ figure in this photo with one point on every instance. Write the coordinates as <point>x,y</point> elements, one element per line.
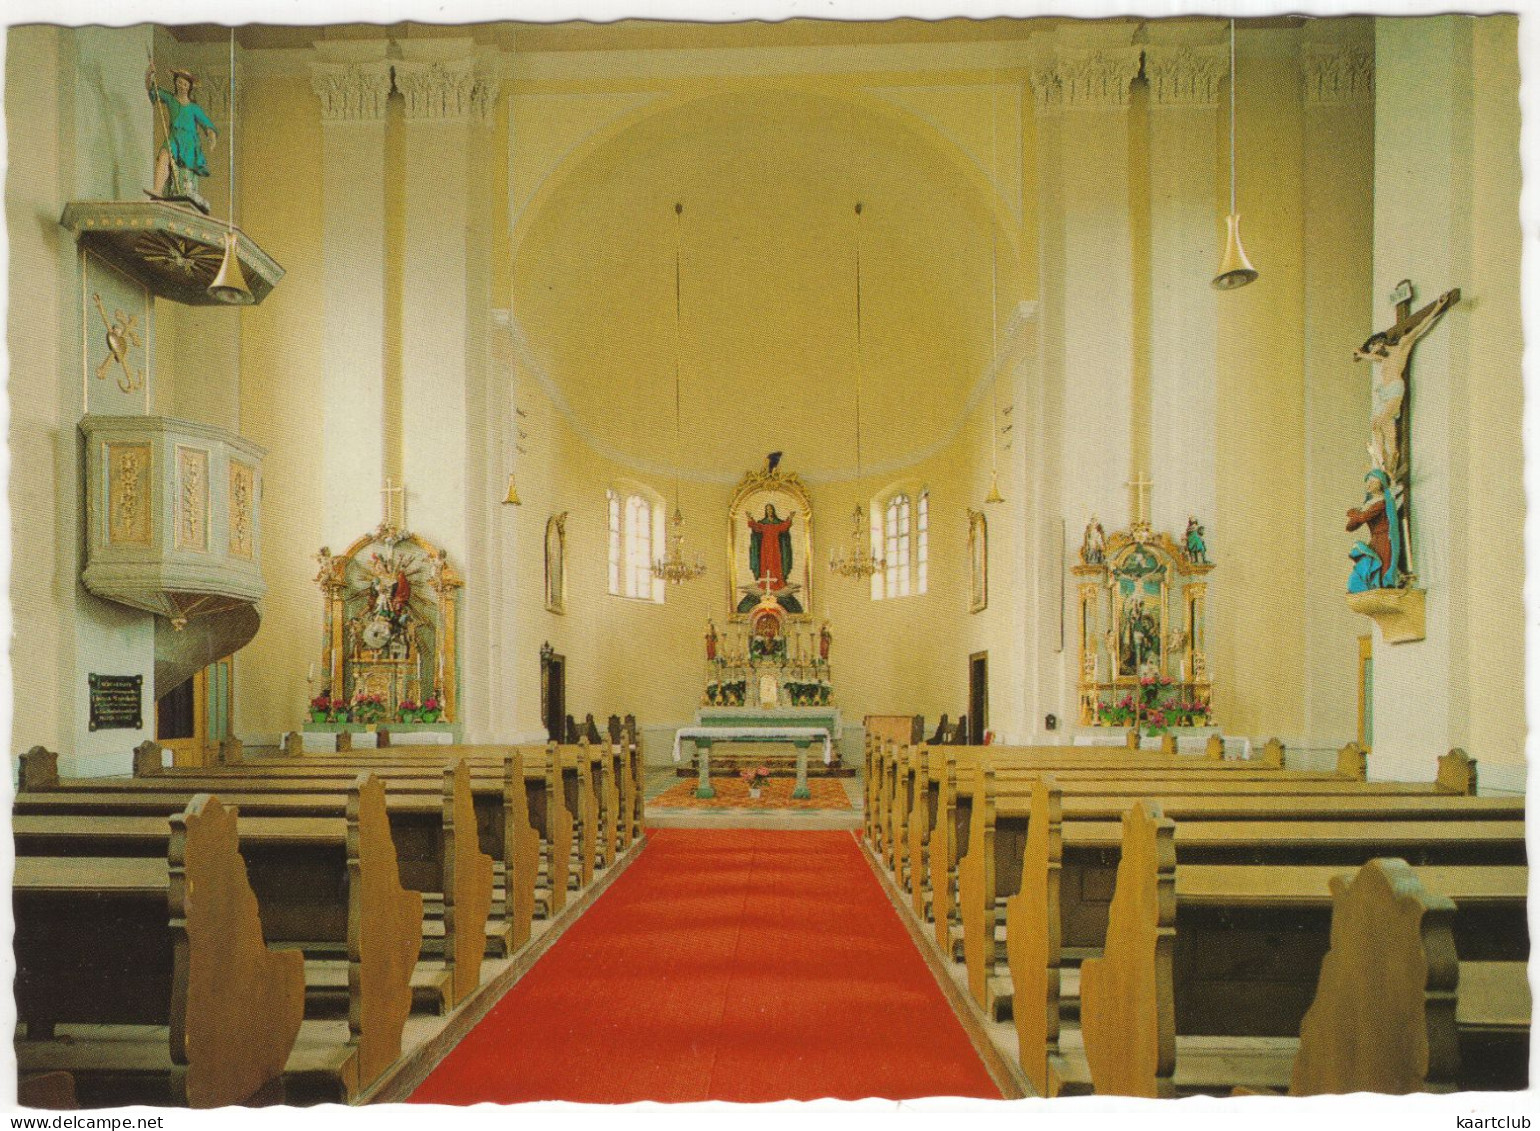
<point>1390,351</point>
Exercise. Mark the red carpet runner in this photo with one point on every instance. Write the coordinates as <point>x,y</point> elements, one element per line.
<point>738,965</point>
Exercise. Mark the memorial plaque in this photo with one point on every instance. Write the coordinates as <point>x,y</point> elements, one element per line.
<point>116,702</point>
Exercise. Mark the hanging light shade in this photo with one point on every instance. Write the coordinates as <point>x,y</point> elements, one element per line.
<point>1235,270</point>
<point>858,562</point>
<point>672,567</point>
<point>229,285</point>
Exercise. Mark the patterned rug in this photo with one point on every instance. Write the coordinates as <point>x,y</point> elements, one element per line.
<point>774,794</point>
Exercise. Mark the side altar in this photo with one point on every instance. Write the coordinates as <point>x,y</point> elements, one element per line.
<point>1143,626</point>
<point>388,637</point>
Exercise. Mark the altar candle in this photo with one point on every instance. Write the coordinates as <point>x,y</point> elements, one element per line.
<point>310,675</point>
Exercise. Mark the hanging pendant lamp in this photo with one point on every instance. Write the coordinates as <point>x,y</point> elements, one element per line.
<point>672,567</point>
<point>859,562</point>
<point>1235,270</point>
<point>229,285</point>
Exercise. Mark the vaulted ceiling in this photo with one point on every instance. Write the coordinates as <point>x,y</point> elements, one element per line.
<point>767,335</point>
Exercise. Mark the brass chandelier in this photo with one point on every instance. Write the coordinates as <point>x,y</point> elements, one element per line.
<point>859,562</point>
<point>672,567</point>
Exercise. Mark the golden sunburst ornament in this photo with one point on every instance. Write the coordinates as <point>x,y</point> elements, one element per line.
<point>177,256</point>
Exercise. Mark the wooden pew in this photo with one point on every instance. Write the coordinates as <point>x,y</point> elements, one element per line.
<point>433,854</point>
<point>550,785</point>
<point>1109,796</point>
<point>1220,952</point>
<point>322,884</point>
<point>1058,907</point>
<point>121,944</point>
<point>929,770</point>
<point>499,785</point>
<point>1395,1011</point>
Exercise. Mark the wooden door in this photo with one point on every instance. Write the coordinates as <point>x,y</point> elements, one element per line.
<point>553,694</point>
<point>978,697</point>
<point>192,719</point>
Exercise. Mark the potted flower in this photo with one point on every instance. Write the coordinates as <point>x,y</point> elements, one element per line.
<point>431,711</point>
<point>755,779</point>
<point>320,708</point>
<point>825,692</point>
<point>368,709</point>
<point>712,691</point>
<point>407,711</point>
<point>338,712</point>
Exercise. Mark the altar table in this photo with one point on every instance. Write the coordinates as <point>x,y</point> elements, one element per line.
<point>800,737</point>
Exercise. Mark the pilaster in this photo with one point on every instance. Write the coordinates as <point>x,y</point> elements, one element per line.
<point>352,94</point>
<point>1185,79</point>
<point>1337,84</point>
<point>1086,90</point>
<point>449,94</point>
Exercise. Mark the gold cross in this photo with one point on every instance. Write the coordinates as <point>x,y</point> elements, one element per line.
<point>391,488</point>
<point>1141,485</point>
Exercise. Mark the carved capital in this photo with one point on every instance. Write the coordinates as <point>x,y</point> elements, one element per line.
<point>446,91</point>
<point>1186,75</point>
<point>1085,78</point>
<point>1334,75</point>
<point>351,92</point>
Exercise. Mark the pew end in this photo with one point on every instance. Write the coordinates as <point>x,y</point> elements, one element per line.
<point>1033,937</point>
<point>39,770</point>
<point>1353,762</point>
<point>1127,1014</point>
<point>384,934</point>
<point>236,1006</point>
<point>1457,773</point>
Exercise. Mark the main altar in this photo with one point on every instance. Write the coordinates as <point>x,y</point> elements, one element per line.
<point>768,678</point>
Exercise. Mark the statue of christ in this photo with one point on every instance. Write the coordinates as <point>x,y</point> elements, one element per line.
<point>770,547</point>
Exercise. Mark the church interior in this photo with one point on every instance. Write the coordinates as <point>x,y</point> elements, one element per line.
<point>848,506</point>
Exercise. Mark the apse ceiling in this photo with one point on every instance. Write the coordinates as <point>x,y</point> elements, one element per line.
<point>767,342</point>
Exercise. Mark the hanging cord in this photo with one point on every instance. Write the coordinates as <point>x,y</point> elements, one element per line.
<point>678,319</point>
<point>860,357</point>
<point>994,298</point>
<point>1232,117</point>
<point>230,141</point>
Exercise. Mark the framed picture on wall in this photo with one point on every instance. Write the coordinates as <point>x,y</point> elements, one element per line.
<point>978,562</point>
<point>556,563</point>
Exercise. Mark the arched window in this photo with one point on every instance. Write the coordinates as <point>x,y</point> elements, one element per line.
<point>895,551</point>
<point>635,538</point>
<point>901,536</point>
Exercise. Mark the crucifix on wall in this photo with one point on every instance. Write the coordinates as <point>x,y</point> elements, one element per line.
<point>393,505</point>
<point>1140,486</point>
<point>1390,351</point>
<point>1384,560</point>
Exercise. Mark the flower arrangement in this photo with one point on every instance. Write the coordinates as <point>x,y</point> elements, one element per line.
<point>431,710</point>
<point>755,779</point>
<point>320,708</point>
<point>368,708</point>
<point>407,711</point>
<point>1157,705</point>
<point>713,690</point>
